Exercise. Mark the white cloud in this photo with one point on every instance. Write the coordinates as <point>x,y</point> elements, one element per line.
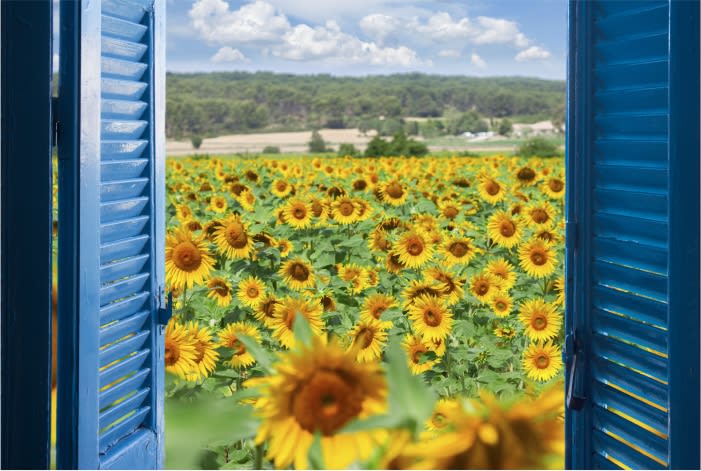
<point>254,22</point>
<point>441,26</point>
<point>229,54</point>
<point>499,31</point>
<point>449,53</point>
<point>378,26</point>
<point>532,53</point>
<point>477,61</point>
<point>329,43</point>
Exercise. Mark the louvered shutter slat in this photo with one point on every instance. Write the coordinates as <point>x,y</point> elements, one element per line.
<point>121,91</point>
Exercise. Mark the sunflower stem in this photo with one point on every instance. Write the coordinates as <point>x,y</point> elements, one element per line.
<point>258,457</point>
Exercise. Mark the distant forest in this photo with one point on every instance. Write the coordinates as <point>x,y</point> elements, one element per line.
<point>227,103</point>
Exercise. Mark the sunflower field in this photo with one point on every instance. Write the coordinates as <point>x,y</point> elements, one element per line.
<point>390,312</point>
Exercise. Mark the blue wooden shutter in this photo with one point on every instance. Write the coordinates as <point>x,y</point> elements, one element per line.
<point>112,233</point>
<point>633,235</point>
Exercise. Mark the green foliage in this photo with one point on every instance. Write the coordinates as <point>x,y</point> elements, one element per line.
<point>271,150</point>
<point>347,150</point>
<point>399,145</point>
<point>196,141</point>
<point>538,147</point>
<point>505,127</point>
<point>466,122</point>
<point>317,144</point>
<point>236,102</point>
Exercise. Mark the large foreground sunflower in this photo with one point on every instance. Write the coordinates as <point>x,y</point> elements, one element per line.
<point>187,260</point>
<point>319,389</point>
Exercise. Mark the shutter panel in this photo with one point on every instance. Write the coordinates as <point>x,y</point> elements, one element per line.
<point>633,235</point>
<point>112,234</point>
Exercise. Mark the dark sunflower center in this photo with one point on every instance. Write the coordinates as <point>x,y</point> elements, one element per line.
<point>235,235</point>
<point>395,190</point>
<point>542,361</point>
<point>299,213</point>
<point>377,311</point>
<point>346,208</point>
<point>327,303</point>
<point>219,287</point>
<point>432,318</point>
<point>556,185</point>
<point>281,186</point>
<point>492,188</point>
<point>200,348</point>
<point>418,352</point>
<point>539,322</point>
<point>172,353</point>
<point>360,185</point>
<point>507,228</point>
<point>326,403</point>
<point>415,247</point>
<point>526,174</point>
<point>365,336</point>
<point>268,307</point>
<point>540,216</point>
<point>538,258</point>
<point>186,256</point>
<point>482,288</point>
<point>458,249</point>
<point>194,226</point>
<point>236,345</point>
<point>206,187</point>
<point>438,420</point>
<point>219,203</point>
<point>501,305</point>
<point>317,208</point>
<point>450,212</point>
<point>381,241</point>
<point>252,292</point>
<point>299,272</point>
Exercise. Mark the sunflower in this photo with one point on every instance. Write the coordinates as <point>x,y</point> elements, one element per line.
<point>412,249</point>
<point>484,286</point>
<point>378,241</point>
<point>505,332</point>
<point>251,291</point>
<point>458,251</point>
<point>297,274</point>
<point>187,260</point>
<point>368,338</point>
<point>297,213</point>
<point>554,187</point>
<point>233,239</point>
<point>452,287</point>
<point>183,212</point>
<point>218,204</point>
<point>415,289</point>
<point>540,215</point>
<point>560,288</point>
<point>419,354</point>
<point>355,275</point>
<point>504,229</point>
<point>265,311</point>
<point>542,362</point>
<point>503,270</point>
<point>206,354</point>
<point>219,290</point>
<point>363,208</point>
<point>247,200</point>
<point>491,190</point>
<point>284,313</point>
<point>344,210</point>
<point>229,338</point>
<point>541,320</point>
<point>319,389</point>
<point>501,304</point>
<point>285,247</point>
<point>375,304</point>
<point>180,352</point>
<point>526,176</point>
<point>431,318</point>
<point>394,193</point>
<point>449,209</point>
<point>393,264</point>
<point>444,415</point>
<point>281,188</point>
<point>537,258</point>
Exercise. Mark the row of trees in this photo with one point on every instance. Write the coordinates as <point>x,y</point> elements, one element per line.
<point>221,103</point>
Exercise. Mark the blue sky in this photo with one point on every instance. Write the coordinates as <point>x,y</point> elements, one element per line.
<point>364,37</point>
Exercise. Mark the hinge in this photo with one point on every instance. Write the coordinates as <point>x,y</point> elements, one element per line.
<point>575,398</point>
<point>54,121</point>
<point>165,311</point>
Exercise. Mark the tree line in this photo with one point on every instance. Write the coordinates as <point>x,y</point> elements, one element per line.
<point>211,104</point>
